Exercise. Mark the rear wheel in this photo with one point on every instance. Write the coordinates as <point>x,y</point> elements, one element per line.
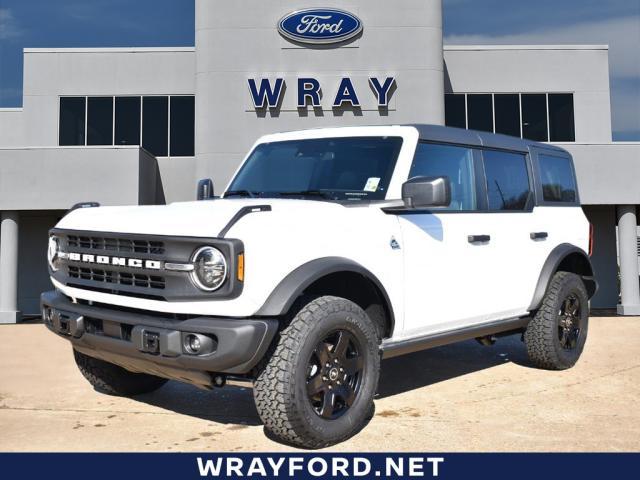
<point>555,337</point>
<point>114,380</point>
<point>317,387</point>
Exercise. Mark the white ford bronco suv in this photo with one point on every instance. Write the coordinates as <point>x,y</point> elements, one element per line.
<point>329,250</point>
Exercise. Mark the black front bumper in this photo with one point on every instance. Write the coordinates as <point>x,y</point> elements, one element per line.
<point>154,344</point>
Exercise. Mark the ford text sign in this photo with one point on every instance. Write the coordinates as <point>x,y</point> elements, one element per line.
<point>319,26</point>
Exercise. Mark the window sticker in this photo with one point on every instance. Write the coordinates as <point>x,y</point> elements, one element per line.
<point>372,184</point>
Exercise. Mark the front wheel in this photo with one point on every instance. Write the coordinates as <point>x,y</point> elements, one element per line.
<point>556,335</point>
<point>317,387</point>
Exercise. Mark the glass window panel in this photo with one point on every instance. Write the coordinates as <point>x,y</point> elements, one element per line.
<point>507,180</point>
<point>556,177</point>
<point>454,110</point>
<point>155,125</point>
<point>534,116</point>
<point>71,127</point>
<point>348,168</point>
<point>480,112</point>
<point>182,126</point>
<point>561,126</point>
<point>432,160</point>
<point>507,106</point>
<point>100,121</point>
<point>127,121</point>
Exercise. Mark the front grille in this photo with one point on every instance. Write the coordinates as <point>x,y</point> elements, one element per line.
<point>120,245</point>
<point>133,264</point>
<point>117,278</point>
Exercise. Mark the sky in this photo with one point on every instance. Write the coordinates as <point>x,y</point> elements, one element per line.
<point>113,23</point>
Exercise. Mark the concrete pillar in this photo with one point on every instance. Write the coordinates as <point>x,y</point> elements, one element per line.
<point>9,267</point>
<point>627,247</point>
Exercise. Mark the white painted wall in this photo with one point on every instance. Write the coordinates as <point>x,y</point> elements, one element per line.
<point>52,73</point>
<point>608,173</point>
<point>239,40</point>
<point>581,70</point>
<point>12,128</point>
<point>55,178</point>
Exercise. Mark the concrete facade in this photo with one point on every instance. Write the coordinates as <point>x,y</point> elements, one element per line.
<point>238,41</point>
<point>579,69</point>
<point>405,43</point>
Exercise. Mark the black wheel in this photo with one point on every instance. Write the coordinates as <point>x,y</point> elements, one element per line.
<point>114,380</point>
<point>555,337</point>
<point>317,387</point>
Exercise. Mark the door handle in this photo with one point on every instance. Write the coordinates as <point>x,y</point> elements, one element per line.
<point>479,238</point>
<point>538,235</point>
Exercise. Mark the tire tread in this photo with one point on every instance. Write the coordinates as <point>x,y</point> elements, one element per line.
<point>274,403</point>
<point>542,329</point>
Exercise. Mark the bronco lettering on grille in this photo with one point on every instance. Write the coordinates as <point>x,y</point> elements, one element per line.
<point>118,261</point>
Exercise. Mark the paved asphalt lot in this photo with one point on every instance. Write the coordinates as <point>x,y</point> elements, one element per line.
<point>463,397</point>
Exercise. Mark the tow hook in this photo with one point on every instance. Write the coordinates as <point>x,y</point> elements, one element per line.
<point>486,341</point>
<point>220,381</point>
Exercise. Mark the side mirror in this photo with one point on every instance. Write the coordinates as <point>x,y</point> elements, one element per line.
<point>205,189</point>
<point>422,192</point>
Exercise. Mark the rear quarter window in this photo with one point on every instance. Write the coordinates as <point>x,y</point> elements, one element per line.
<point>557,179</point>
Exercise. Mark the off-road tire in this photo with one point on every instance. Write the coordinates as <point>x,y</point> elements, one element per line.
<point>280,390</point>
<point>114,380</point>
<point>542,334</point>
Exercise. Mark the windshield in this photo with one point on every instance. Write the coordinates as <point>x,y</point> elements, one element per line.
<point>345,168</point>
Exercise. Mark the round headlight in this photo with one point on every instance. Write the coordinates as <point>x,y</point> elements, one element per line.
<point>53,253</point>
<point>210,268</point>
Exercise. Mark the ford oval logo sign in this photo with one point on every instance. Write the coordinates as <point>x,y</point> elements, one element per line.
<point>319,26</point>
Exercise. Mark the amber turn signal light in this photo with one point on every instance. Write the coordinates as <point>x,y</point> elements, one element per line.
<point>241,267</point>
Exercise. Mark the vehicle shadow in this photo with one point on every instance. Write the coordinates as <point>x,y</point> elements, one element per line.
<point>428,367</point>
<point>235,406</point>
<point>229,405</point>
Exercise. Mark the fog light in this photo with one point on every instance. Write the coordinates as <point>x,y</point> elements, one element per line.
<point>192,343</point>
<point>197,344</point>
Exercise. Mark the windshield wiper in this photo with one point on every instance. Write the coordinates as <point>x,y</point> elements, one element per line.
<point>241,193</point>
<point>308,193</point>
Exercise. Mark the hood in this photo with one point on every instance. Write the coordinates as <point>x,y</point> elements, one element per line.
<point>197,219</point>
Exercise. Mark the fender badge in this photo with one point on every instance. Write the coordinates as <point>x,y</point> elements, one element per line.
<point>393,243</point>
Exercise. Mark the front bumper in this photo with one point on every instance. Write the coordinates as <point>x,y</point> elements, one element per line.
<point>155,344</point>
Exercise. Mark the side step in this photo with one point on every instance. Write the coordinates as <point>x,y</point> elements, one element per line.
<point>401,347</point>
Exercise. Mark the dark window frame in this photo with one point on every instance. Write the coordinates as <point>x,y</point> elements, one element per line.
<point>449,98</point>
<point>477,99</point>
<point>110,124</point>
<point>171,131</point>
<point>153,102</point>
<point>139,120</point>
<point>498,105</point>
<point>85,100</point>
<point>540,201</point>
<point>532,198</point>
<point>553,127</point>
<point>520,126</point>
<point>530,125</point>
<point>84,126</point>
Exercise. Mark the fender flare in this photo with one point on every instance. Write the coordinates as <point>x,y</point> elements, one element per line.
<point>550,267</point>
<point>291,287</point>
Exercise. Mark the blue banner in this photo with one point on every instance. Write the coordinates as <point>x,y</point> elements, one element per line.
<point>301,466</point>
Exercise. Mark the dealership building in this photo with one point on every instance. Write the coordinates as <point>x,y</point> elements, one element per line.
<point>133,126</point>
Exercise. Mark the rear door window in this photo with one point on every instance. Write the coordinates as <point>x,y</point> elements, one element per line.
<point>507,179</point>
<point>557,179</point>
